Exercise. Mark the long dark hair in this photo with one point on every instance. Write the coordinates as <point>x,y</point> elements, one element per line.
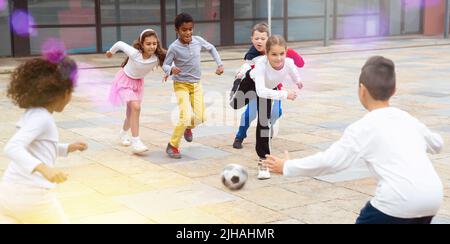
<point>138,44</point>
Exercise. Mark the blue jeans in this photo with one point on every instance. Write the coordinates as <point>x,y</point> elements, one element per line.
<point>250,114</point>
<point>371,215</point>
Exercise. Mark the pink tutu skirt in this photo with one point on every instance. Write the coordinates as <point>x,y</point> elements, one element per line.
<point>125,89</point>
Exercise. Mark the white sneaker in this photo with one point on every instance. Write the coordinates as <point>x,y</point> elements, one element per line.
<point>124,139</point>
<point>263,172</point>
<point>139,147</point>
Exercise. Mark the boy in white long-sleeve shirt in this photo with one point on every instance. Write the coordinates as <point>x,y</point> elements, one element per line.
<point>394,146</point>
<point>41,87</point>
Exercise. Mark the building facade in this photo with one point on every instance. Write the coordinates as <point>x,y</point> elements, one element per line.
<point>92,26</point>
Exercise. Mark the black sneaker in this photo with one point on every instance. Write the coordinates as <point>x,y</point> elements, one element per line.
<point>238,143</point>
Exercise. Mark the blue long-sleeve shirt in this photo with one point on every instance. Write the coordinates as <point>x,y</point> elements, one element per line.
<point>187,58</point>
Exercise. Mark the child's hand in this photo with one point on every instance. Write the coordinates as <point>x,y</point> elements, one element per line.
<point>109,54</point>
<point>52,175</point>
<point>78,146</point>
<point>275,164</point>
<point>220,70</point>
<point>175,70</point>
<point>165,77</point>
<point>292,95</point>
<point>299,85</point>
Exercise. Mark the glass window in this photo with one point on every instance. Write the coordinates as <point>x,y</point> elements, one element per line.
<point>50,12</point>
<point>243,30</point>
<point>395,22</point>
<point>5,37</point>
<point>412,16</point>
<point>257,9</point>
<point>373,6</point>
<point>127,34</point>
<point>357,26</point>
<point>300,8</point>
<point>358,18</point>
<point>171,35</point>
<point>351,7</point>
<point>307,29</point>
<point>130,11</point>
<point>70,37</point>
<point>209,32</point>
<point>199,9</point>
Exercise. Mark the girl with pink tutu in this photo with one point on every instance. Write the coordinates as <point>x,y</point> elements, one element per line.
<point>128,86</point>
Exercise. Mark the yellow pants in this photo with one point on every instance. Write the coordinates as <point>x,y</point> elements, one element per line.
<point>192,109</point>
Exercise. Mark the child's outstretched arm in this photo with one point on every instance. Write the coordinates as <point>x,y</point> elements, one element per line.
<point>295,76</point>
<point>122,46</point>
<point>243,70</point>
<point>64,149</point>
<point>213,51</point>
<point>340,156</point>
<point>78,146</point>
<point>434,141</point>
<point>167,66</point>
<point>298,60</point>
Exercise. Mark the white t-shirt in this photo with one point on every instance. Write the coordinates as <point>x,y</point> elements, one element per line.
<point>394,146</point>
<point>267,78</point>
<point>137,67</point>
<point>35,142</point>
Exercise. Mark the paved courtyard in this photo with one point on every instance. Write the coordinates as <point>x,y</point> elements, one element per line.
<point>108,184</point>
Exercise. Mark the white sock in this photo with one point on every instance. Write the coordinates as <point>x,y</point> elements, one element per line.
<point>123,132</point>
<point>135,139</point>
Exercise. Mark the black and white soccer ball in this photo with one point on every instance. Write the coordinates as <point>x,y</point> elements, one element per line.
<point>234,176</point>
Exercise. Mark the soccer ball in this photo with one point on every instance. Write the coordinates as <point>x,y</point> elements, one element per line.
<point>234,176</point>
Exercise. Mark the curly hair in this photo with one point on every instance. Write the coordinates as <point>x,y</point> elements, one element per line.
<point>139,42</point>
<point>39,83</point>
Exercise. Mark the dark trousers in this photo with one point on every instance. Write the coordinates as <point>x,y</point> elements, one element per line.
<point>264,131</point>
<point>371,215</point>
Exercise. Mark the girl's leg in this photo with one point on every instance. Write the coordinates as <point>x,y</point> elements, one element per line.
<point>126,123</point>
<point>138,146</point>
<point>135,112</point>
<point>123,136</point>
